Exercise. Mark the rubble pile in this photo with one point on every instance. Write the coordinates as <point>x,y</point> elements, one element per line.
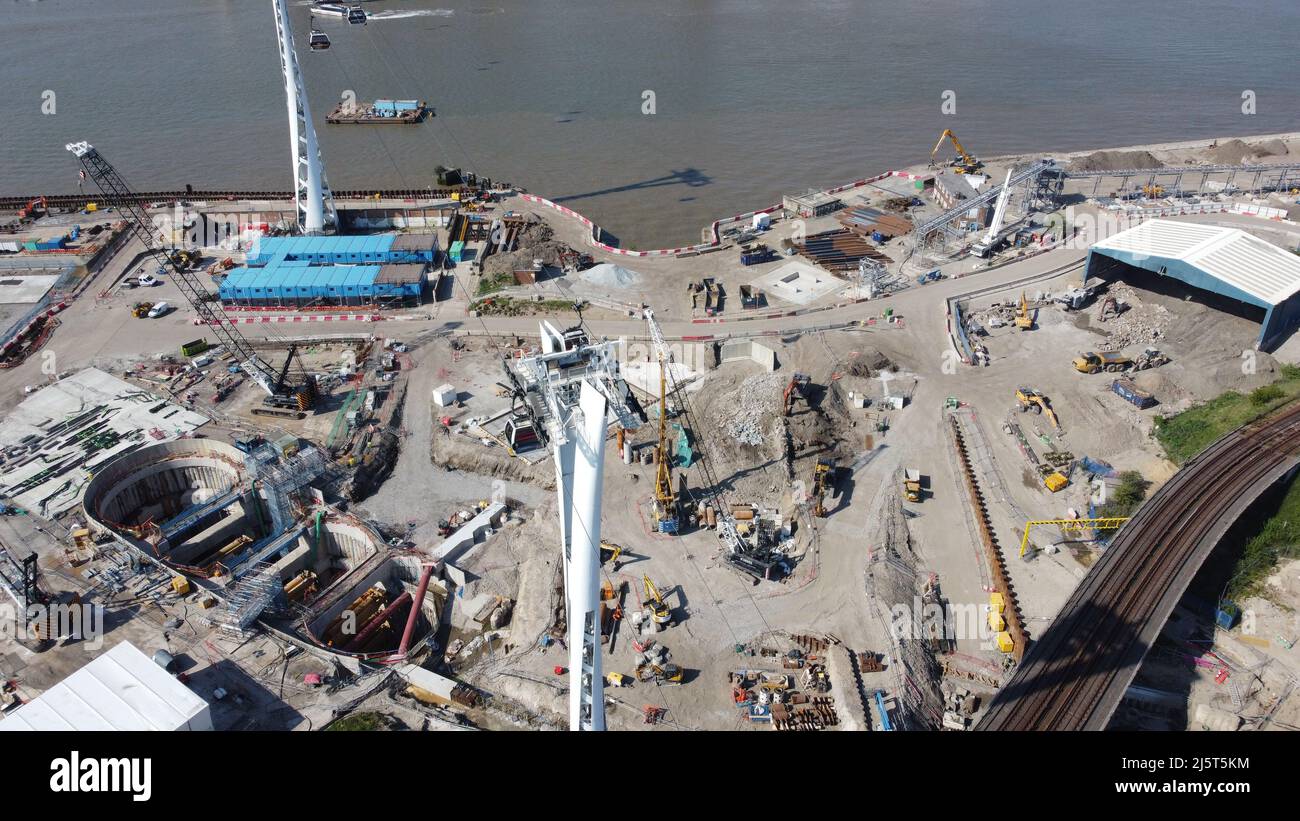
<point>1139,324</point>
<point>536,242</point>
<point>746,413</point>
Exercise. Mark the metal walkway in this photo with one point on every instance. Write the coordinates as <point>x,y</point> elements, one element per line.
<point>944,222</point>
<point>265,550</point>
<point>196,513</point>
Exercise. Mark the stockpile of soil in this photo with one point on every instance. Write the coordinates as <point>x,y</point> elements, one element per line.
<point>535,243</point>
<point>1235,152</point>
<point>1115,161</point>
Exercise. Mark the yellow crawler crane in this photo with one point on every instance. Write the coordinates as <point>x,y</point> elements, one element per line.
<point>665,506</point>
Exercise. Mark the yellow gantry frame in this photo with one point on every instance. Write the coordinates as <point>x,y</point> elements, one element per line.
<point>1108,523</point>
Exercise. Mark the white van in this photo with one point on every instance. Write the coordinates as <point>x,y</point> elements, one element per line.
<point>159,310</point>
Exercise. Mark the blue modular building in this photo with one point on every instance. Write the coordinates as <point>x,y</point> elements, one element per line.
<point>381,270</point>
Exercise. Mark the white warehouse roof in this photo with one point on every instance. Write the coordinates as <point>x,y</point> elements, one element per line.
<point>1234,257</point>
<point>123,689</point>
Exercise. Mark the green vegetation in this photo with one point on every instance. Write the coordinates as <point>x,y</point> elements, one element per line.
<point>1127,496</point>
<point>1265,394</point>
<point>1192,431</point>
<point>360,722</point>
<point>495,282</point>
<point>1278,539</point>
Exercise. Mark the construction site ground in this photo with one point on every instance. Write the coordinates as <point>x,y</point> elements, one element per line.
<point>835,591</point>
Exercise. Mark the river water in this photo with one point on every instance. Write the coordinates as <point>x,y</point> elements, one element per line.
<point>751,98</point>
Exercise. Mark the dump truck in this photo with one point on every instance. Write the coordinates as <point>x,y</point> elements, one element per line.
<point>912,484</point>
<point>1114,362</point>
<point>1109,361</point>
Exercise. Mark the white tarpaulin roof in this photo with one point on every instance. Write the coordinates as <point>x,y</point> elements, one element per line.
<point>1234,257</point>
<point>123,689</point>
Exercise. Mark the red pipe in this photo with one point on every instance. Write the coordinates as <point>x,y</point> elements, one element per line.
<point>415,610</point>
<point>370,629</point>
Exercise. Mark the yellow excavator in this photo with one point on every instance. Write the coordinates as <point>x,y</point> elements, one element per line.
<point>1030,399</point>
<point>609,552</point>
<point>821,481</point>
<point>659,674</point>
<point>660,612</point>
<point>1025,320</point>
<point>964,162</point>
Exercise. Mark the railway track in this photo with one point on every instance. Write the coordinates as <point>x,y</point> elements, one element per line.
<point>1074,676</point>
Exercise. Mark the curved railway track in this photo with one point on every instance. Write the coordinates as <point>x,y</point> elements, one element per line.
<point>1073,677</point>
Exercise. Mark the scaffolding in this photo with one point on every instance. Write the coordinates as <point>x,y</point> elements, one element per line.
<point>283,479</point>
<point>248,599</point>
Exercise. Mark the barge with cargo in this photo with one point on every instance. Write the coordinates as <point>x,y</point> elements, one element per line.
<point>407,112</point>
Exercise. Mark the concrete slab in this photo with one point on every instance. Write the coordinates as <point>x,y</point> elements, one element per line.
<point>799,283</point>
<point>25,290</point>
<point>44,434</point>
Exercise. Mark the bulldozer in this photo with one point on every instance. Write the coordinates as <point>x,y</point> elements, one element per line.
<point>1029,399</point>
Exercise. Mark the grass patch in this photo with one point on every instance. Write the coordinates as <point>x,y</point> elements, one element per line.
<point>1278,539</point>
<point>1192,431</point>
<point>495,282</point>
<point>361,722</point>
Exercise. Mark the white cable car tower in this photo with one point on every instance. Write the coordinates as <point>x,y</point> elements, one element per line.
<point>311,193</point>
<point>570,388</point>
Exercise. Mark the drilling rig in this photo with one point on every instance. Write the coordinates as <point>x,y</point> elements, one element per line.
<point>665,510</point>
<point>751,555</point>
<point>287,395</point>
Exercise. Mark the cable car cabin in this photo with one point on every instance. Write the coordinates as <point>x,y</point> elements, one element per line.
<point>521,434</point>
<point>319,40</point>
<point>575,338</point>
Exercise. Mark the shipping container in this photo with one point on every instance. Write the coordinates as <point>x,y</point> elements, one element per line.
<point>1132,394</point>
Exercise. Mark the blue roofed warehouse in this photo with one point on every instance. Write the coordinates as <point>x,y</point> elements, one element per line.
<point>1227,267</point>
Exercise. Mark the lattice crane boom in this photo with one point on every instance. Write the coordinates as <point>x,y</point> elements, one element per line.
<point>118,195</point>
